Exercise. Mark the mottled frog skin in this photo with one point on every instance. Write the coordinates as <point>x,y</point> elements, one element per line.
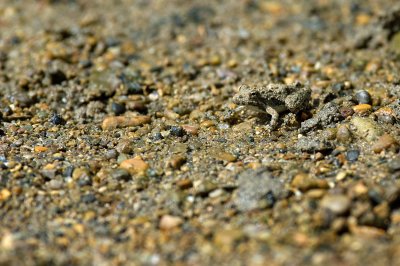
<point>274,98</point>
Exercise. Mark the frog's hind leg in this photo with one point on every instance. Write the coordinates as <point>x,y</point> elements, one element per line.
<point>274,116</point>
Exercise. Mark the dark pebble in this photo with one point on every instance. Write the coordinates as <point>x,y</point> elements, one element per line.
<point>88,198</point>
<point>120,174</point>
<point>177,131</point>
<point>2,133</point>
<point>134,88</point>
<point>352,155</point>
<point>118,108</point>
<point>363,96</point>
<point>57,119</point>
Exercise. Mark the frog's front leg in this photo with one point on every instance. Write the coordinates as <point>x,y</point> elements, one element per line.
<point>274,116</point>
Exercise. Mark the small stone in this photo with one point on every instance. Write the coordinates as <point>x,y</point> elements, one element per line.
<point>124,121</point>
<point>384,142</point>
<point>337,204</point>
<point>124,146</point>
<point>134,88</point>
<point>346,111</point>
<point>120,174</point>
<point>343,133</point>
<point>184,183</point>
<point>177,131</point>
<point>366,128</point>
<point>135,166</point>
<point>39,149</point>
<point>118,108</point>
<point>168,222</point>
<point>5,194</point>
<point>88,198</point>
<point>304,182</point>
<point>363,97</point>
<point>362,109</point>
<point>352,155</point>
<point>192,130</point>
<point>176,161</point>
<point>57,119</point>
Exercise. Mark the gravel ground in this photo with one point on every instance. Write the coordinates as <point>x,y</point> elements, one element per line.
<point>120,143</point>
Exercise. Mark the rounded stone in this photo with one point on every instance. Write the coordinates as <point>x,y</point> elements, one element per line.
<point>363,97</point>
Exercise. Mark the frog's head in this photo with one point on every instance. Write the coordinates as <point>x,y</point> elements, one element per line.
<point>247,96</point>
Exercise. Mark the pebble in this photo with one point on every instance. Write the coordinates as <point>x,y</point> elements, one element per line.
<point>337,204</point>
<point>352,155</point>
<point>366,128</point>
<point>346,111</point>
<point>384,142</point>
<point>168,222</point>
<point>304,182</point>
<point>177,161</point>
<point>135,166</point>
<point>124,146</point>
<point>39,149</point>
<point>117,108</point>
<point>363,97</point>
<point>120,174</point>
<point>192,130</point>
<point>177,131</point>
<point>362,109</point>
<point>343,133</point>
<point>57,119</point>
<point>124,121</point>
<point>5,194</point>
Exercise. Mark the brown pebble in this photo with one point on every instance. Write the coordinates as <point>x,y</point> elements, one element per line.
<point>184,183</point>
<point>193,130</point>
<point>362,109</point>
<point>113,122</point>
<point>384,142</point>
<point>346,111</point>
<point>135,165</point>
<point>304,182</point>
<point>169,222</point>
<point>176,161</point>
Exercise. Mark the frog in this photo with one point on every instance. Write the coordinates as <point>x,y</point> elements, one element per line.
<point>274,98</point>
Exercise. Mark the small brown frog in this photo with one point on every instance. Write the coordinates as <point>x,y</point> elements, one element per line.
<point>274,98</point>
